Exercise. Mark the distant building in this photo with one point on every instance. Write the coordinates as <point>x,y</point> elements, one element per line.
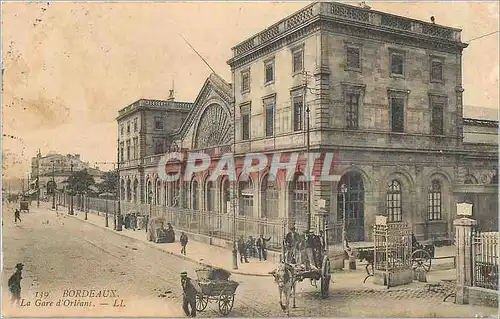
<point>57,167</point>
<point>384,91</point>
<point>144,129</point>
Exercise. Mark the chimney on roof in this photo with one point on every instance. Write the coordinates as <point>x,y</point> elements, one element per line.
<point>171,93</point>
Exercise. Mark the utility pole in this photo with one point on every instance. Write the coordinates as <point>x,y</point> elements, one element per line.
<point>308,147</point>
<point>53,185</point>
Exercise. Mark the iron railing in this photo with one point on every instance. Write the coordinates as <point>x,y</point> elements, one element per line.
<point>485,260</point>
<point>208,223</point>
<point>392,247</point>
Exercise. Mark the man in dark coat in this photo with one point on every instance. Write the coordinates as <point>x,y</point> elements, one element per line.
<point>14,284</point>
<point>291,242</point>
<point>189,295</point>
<point>17,215</point>
<point>261,247</point>
<point>242,248</point>
<point>183,240</point>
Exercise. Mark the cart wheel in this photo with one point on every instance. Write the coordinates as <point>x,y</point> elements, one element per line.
<point>226,303</point>
<point>325,277</point>
<point>421,259</point>
<point>201,302</point>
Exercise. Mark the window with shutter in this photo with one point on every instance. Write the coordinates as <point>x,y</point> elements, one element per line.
<point>397,114</point>
<point>353,58</point>
<point>269,105</point>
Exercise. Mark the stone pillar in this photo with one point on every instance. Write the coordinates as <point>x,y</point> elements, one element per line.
<point>463,242</point>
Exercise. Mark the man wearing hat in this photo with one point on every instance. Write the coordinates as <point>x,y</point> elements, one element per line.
<point>189,295</point>
<point>291,242</point>
<point>15,284</point>
<point>310,243</point>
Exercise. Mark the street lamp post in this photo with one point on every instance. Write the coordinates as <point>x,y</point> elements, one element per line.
<point>235,250</point>
<point>38,179</point>
<point>53,186</point>
<point>86,208</point>
<point>71,208</point>
<point>106,218</point>
<point>343,190</point>
<point>308,146</point>
<point>118,217</point>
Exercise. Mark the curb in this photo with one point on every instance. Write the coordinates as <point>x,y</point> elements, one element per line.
<point>236,272</point>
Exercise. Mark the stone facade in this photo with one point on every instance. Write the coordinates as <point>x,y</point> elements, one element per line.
<point>384,93</point>
<point>144,130</point>
<point>57,167</point>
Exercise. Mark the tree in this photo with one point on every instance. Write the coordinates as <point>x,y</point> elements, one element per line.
<point>109,182</point>
<point>79,182</point>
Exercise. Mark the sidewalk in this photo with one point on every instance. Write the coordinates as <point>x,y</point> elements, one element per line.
<point>203,254</point>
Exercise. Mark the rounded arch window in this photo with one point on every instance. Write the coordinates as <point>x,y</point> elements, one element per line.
<point>434,201</point>
<point>270,197</point>
<point>246,198</point>
<point>214,128</point>
<point>394,209</point>
<point>299,192</point>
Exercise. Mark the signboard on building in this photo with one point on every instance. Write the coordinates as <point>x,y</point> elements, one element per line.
<point>380,220</point>
<point>464,209</point>
<point>321,204</point>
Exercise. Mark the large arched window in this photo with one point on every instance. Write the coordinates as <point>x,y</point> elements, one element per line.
<point>195,196</point>
<point>129,190</point>
<point>158,192</point>
<point>225,195</point>
<point>149,193</point>
<point>394,209</point>
<point>184,194</point>
<point>135,189</point>
<point>210,196</point>
<point>354,205</point>
<point>246,198</point>
<point>270,194</point>
<point>298,195</point>
<point>435,201</point>
<point>174,193</point>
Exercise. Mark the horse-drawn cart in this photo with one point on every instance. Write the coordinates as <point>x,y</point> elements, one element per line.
<point>24,206</point>
<point>215,286</point>
<point>293,268</point>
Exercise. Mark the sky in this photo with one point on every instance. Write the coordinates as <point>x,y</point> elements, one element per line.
<point>70,66</point>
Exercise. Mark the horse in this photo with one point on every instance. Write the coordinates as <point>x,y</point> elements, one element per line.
<point>285,278</point>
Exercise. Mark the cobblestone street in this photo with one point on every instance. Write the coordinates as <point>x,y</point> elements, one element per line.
<point>60,252</point>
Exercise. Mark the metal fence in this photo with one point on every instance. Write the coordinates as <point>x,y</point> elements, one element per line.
<point>485,260</point>
<point>213,224</point>
<point>392,247</point>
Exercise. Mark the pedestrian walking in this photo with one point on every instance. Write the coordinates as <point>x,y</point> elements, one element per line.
<point>183,240</point>
<point>242,248</point>
<point>189,295</point>
<point>14,284</point>
<point>262,247</point>
<point>17,215</point>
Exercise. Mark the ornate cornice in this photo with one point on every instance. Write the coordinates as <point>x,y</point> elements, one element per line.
<point>347,27</point>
